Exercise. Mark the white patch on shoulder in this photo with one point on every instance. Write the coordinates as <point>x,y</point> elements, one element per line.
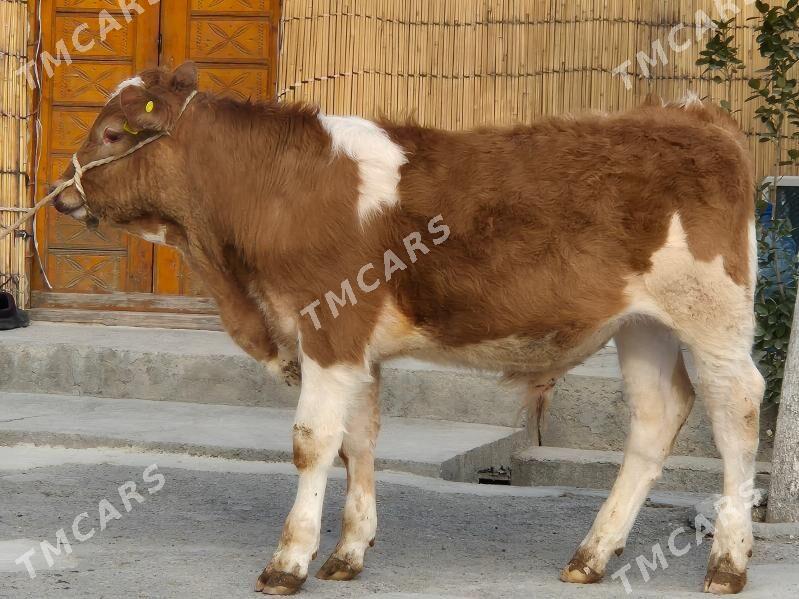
<point>159,237</point>
<point>378,158</point>
<point>133,81</point>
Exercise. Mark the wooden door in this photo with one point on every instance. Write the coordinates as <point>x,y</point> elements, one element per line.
<point>234,43</point>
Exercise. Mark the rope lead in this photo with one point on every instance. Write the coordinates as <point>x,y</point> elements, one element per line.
<point>79,172</point>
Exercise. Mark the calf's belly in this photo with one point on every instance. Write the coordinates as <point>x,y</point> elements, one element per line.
<point>549,355</point>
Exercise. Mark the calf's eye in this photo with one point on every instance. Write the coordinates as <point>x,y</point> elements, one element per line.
<point>110,136</point>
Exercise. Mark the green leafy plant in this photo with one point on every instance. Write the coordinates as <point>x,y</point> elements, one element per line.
<point>775,296</point>
<point>777,30</point>
<point>778,41</point>
<point>720,58</point>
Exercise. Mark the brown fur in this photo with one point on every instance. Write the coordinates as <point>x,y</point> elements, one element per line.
<point>556,215</point>
<point>304,451</point>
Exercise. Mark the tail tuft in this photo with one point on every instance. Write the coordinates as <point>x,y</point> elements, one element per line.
<point>537,400</point>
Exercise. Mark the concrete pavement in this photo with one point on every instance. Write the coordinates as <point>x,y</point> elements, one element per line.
<point>209,528</point>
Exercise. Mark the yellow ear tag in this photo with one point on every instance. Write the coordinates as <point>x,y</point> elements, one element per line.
<point>149,106</point>
<point>127,128</point>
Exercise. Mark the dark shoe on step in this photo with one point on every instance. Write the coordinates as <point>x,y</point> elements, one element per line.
<point>11,317</point>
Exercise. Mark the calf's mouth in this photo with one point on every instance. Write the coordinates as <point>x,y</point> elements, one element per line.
<point>72,205</point>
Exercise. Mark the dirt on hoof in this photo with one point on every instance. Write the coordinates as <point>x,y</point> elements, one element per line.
<point>723,578</point>
<point>278,583</point>
<point>720,582</point>
<point>577,571</point>
<point>337,569</point>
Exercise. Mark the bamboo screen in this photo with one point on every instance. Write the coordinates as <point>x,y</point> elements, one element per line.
<point>14,121</point>
<point>463,63</point>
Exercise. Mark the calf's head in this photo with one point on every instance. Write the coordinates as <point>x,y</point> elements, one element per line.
<point>148,186</point>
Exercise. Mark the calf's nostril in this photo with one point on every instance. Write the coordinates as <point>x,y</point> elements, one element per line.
<point>59,205</point>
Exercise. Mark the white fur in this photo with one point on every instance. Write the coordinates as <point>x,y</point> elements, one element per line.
<point>690,98</point>
<point>80,213</point>
<point>378,158</point>
<point>648,356</point>
<point>712,314</point>
<point>360,509</point>
<point>159,238</point>
<point>696,298</point>
<point>133,81</point>
<point>325,399</point>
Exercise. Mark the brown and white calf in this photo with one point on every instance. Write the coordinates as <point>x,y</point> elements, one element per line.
<point>345,242</point>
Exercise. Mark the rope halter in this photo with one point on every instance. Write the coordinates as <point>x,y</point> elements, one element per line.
<point>80,170</point>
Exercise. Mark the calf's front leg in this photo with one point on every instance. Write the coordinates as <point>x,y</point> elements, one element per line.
<point>326,396</point>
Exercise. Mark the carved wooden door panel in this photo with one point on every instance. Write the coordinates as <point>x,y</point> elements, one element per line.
<point>234,43</point>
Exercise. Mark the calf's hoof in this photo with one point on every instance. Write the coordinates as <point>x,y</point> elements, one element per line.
<point>723,577</point>
<point>336,568</point>
<point>721,582</point>
<point>577,571</point>
<point>272,582</point>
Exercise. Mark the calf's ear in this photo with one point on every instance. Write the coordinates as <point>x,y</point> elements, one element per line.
<point>184,78</point>
<point>143,110</point>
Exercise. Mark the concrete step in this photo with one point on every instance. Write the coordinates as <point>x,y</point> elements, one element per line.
<point>206,367</point>
<point>450,450</point>
<point>592,469</point>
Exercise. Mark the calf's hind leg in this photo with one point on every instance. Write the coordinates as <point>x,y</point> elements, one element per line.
<point>660,397</point>
<point>732,388</point>
<point>713,316</point>
<point>360,509</point>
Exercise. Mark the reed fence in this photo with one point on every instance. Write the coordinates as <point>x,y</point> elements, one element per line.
<point>459,64</point>
<point>14,135</point>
